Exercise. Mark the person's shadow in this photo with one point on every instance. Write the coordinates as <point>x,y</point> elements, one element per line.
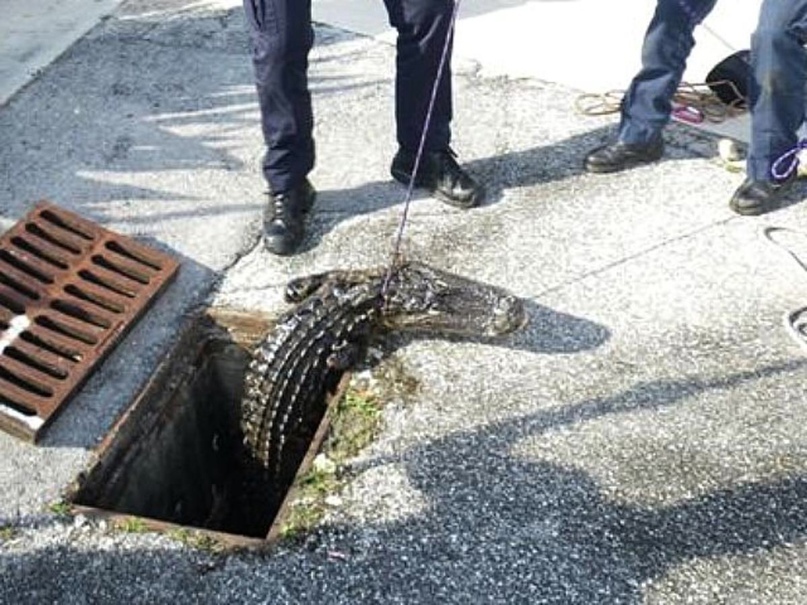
<point>510,170</point>
<point>497,527</point>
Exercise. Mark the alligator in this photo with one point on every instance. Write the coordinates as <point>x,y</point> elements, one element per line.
<point>337,313</point>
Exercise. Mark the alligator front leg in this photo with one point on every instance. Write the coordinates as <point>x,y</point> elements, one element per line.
<point>300,288</point>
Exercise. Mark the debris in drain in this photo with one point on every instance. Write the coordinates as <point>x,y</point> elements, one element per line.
<point>303,358</point>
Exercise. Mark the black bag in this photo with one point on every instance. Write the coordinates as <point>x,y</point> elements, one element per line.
<point>729,78</point>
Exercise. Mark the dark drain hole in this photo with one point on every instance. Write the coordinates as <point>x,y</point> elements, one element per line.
<point>64,330</point>
<point>52,347</point>
<point>112,287</point>
<point>66,224</point>
<point>26,268</point>
<point>20,288</point>
<point>117,248</point>
<point>36,364</point>
<point>96,299</point>
<point>24,244</point>
<point>177,457</point>
<point>21,409</point>
<point>52,238</point>
<point>26,383</point>
<point>126,272</point>
<point>12,305</point>
<point>80,313</point>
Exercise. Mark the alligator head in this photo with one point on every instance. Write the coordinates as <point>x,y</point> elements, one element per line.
<point>422,298</point>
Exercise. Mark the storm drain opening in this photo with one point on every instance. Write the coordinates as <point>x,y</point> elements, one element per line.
<point>173,460</point>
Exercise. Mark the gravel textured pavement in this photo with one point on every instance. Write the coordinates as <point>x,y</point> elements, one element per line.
<point>640,441</point>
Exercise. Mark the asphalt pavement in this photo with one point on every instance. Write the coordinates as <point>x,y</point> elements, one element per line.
<point>641,440</point>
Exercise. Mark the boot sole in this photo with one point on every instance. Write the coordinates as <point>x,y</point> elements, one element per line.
<point>609,168</point>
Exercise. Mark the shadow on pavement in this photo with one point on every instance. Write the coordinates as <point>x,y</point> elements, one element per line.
<point>495,527</point>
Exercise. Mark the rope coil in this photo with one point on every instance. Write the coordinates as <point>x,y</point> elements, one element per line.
<point>695,96</point>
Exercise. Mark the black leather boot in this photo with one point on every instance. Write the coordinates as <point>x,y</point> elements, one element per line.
<point>757,197</point>
<point>621,156</point>
<point>440,174</point>
<point>284,218</point>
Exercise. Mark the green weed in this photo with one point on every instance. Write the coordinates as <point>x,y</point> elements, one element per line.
<point>7,532</point>
<point>60,508</point>
<point>132,525</point>
<point>197,539</point>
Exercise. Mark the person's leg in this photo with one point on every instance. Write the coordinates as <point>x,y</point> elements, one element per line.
<point>423,28</point>
<point>668,42</point>
<point>282,35</point>
<point>776,100</point>
<point>776,90</point>
<point>647,105</point>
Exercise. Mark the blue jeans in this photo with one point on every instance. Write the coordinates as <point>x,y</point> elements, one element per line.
<point>777,87</point>
<point>647,105</point>
<point>282,37</point>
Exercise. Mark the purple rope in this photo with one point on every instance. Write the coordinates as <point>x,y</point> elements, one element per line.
<point>396,251</point>
<point>790,156</point>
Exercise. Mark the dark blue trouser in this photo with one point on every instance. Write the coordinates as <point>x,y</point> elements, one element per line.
<point>282,37</point>
<point>647,105</point>
<point>777,88</point>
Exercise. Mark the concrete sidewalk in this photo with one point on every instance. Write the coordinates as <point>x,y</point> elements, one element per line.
<point>564,43</point>
<point>584,44</point>
<point>640,441</point>
<point>33,35</point>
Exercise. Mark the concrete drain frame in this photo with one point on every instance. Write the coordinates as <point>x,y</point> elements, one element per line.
<point>168,463</point>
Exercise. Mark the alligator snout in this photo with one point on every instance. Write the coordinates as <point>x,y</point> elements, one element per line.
<point>508,316</point>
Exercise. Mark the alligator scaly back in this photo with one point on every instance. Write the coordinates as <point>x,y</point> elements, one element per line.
<point>303,358</point>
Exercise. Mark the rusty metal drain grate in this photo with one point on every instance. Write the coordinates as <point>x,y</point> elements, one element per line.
<point>69,290</point>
